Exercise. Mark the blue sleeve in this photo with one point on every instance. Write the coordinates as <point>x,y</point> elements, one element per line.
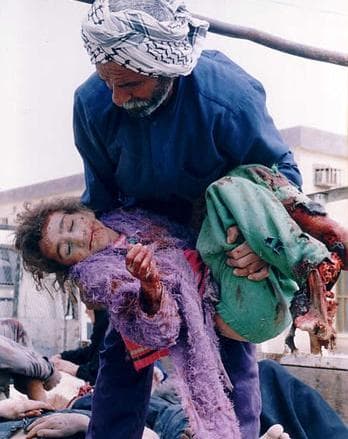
<point>248,133</point>
<point>100,193</point>
<point>288,167</point>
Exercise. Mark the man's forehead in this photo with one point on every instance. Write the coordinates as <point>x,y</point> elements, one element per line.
<point>114,71</point>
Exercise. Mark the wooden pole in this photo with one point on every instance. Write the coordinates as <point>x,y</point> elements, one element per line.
<point>277,43</point>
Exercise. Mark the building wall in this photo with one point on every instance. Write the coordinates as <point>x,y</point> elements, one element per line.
<point>308,160</point>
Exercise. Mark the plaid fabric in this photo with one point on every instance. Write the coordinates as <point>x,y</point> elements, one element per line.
<point>130,35</point>
<point>143,357</point>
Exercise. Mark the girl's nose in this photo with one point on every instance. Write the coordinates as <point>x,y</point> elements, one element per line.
<point>78,237</point>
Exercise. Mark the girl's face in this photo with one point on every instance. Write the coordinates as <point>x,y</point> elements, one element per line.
<point>70,238</point>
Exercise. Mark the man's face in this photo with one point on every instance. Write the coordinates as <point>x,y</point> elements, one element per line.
<point>139,95</point>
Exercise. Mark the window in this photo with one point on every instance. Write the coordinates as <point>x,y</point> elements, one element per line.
<point>326,176</point>
<point>8,263</point>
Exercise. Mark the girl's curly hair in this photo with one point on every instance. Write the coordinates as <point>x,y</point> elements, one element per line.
<point>28,234</point>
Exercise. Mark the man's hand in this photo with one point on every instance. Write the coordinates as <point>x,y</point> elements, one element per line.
<point>58,425</point>
<point>20,408</point>
<point>55,357</point>
<point>65,366</point>
<point>244,260</point>
<point>53,380</point>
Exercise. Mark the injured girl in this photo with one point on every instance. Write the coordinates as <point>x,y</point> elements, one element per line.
<point>159,294</point>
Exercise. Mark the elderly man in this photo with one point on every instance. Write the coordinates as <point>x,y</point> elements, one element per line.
<point>158,122</point>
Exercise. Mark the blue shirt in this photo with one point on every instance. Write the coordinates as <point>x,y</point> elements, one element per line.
<point>215,120</point>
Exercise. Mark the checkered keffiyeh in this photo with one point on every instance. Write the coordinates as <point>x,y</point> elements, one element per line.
<point>128,33</point>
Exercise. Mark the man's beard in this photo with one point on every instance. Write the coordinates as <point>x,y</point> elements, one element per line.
<point>144,107</point>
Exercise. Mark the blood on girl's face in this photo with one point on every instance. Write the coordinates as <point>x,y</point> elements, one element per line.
<point>70,238</point>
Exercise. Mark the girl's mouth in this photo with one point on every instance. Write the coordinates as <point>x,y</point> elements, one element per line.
<point>91,240</point>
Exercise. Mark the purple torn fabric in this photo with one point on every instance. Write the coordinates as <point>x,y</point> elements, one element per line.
<point>183,323</point>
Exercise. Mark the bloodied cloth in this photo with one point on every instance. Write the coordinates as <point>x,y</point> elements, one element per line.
<point>257,311</point>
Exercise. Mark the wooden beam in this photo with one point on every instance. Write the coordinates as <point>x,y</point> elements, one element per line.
<point>277,43</point>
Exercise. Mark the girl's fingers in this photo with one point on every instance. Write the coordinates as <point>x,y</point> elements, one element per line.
<point>132,253</point>
<point>142,255</point>
<point>145,266</point>
<point>139,262</point>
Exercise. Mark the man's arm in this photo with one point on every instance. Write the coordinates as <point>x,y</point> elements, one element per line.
<point>287,166</point>
<point>18,359</point>
<point>98,169</point>
<point>247,134</point>
<point>249,130</point>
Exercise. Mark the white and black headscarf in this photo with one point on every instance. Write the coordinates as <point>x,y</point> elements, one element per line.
<point>151,37</point>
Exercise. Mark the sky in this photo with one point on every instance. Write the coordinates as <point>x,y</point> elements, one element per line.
<point>43,61</point>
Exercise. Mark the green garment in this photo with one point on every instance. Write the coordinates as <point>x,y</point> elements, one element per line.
<point>250,198</point>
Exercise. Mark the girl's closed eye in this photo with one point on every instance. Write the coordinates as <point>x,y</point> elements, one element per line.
<point>71,226</point>
<point>69,249</point>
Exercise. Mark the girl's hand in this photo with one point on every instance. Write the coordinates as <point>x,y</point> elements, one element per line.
<point>141,264</point>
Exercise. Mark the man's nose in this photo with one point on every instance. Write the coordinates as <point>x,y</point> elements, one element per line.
<point>120,96</point>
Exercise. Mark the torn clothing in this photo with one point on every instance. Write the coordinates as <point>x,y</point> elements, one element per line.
<point>183,323</point>
<point>257,311</point>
